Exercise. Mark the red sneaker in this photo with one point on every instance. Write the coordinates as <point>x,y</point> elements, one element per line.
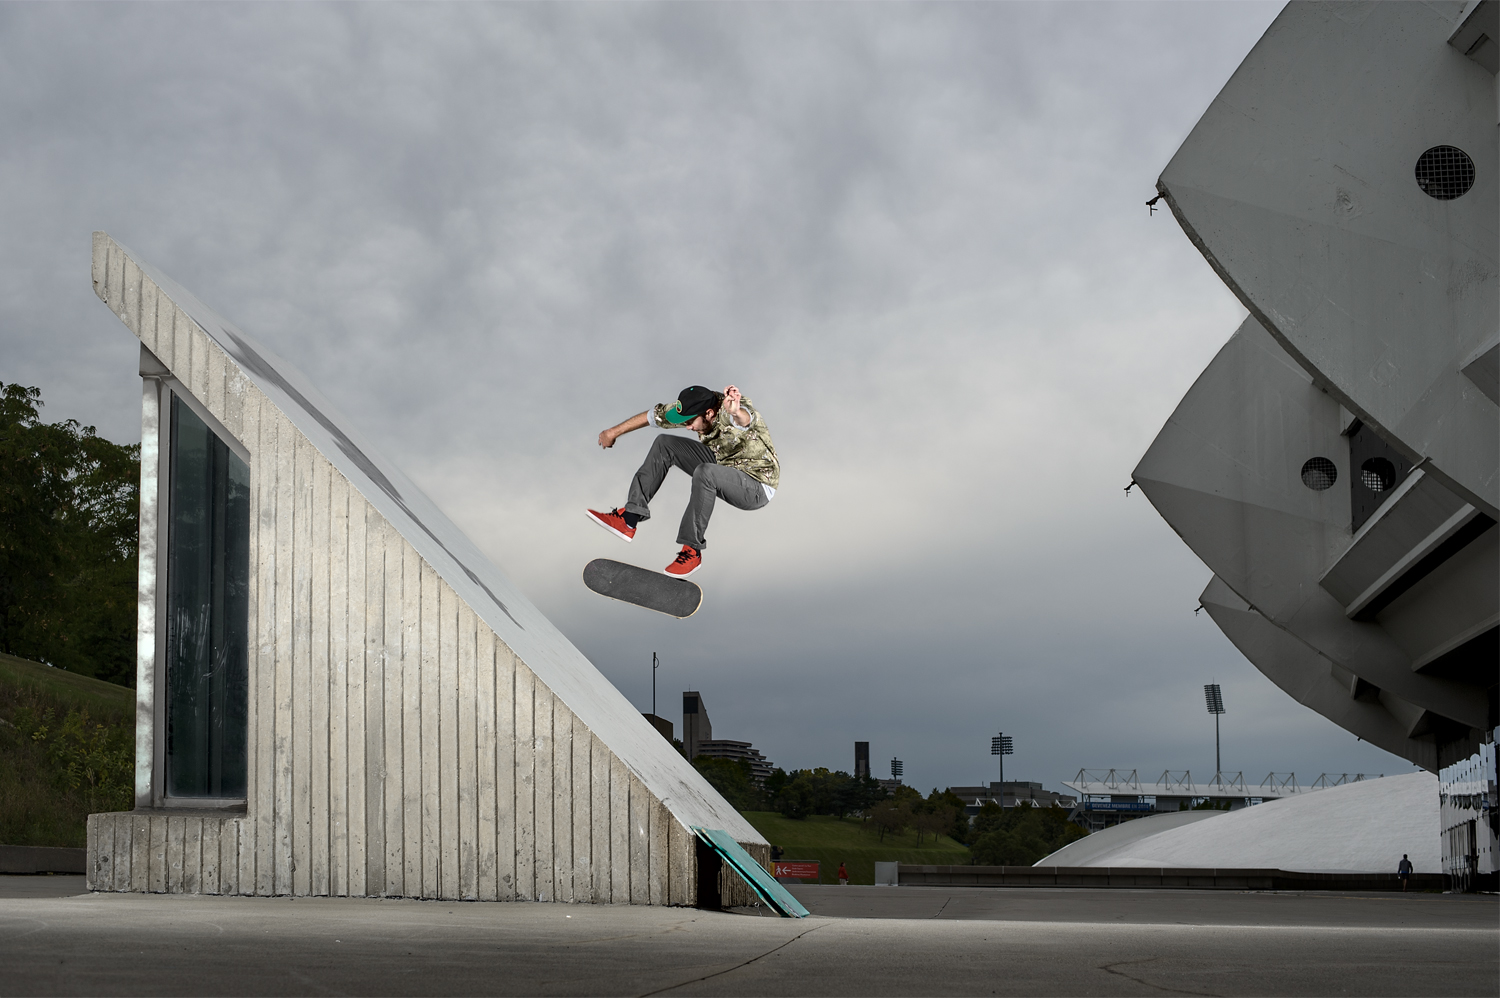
<point>688,561</point>
<point>613,521</point>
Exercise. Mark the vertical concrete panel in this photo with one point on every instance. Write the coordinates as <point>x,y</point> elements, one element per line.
<point>640,843</point>
<point>304,703</point>
<point>192,855</point>
<point>395,675</point>
<point>140,852</point>
<point>209,881</point>
<point>414,726</point>
<point>486,803</point>
<point>339,669</point>
<point>360,764</point>
<point>376,665</point>
<point>506,769</point>
<point>259,878</point>
<point>130,304</point>
<point>660,818</point>
<point>447,741</point>
<point>230,849</point>
<point>431,744</point>
<point>157,836</point>
<point>562,801</point>
<point>583,798</point>
<point>213,362</point>
<point>466,777</point>
<point>115,281</point>
<point>152,300</point>
<point>286,601</point>
<point>320,671</point>
<point>525,748</point>
<point>176,835</point>
<point>682,881</point>
<point>599,806</point>
<point>123,850</point>
<point>619,831</point>
<point>546,887</point>
<point>235,388</point>
<point>96,858</point>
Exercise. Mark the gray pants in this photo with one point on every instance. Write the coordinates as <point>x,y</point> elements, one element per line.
<point>711,481</point>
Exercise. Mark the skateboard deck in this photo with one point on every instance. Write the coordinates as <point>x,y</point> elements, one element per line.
<point>652,590</point>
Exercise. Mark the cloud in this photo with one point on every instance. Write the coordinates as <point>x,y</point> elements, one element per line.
<point>914,234</point>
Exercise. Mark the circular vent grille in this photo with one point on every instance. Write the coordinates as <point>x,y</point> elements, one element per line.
<point>1319,474</point>
<point>1445,172</point>
<point>1377,474</point>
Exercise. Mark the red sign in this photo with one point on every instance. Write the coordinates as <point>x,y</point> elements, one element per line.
<point>796,871</point>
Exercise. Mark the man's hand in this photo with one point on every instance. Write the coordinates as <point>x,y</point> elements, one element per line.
<point>732,406</point>
<point>608,437</point>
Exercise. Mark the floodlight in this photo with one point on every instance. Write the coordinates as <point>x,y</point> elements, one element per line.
<point>896,767</point>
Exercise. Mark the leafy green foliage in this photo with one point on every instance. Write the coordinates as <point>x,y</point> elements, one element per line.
<point>67,752</point>
<point>732,779</point>
<point>805,792</point>
<point>1019,836</point>
<point>69,515</point>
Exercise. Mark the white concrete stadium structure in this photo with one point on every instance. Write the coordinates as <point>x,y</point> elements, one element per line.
<point>1337,465</point>
<point>1363,827</point>
<point>338,694</point>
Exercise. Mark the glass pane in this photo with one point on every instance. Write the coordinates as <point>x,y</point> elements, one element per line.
<point>208,566</point>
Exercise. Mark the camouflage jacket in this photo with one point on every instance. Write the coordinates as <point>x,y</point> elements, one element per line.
<point>747,448</point>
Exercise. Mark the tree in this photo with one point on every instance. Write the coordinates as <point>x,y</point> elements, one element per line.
<point>891,816</point>
<point>734,781</point>
<point>1020,836</point>
<point>69,515</point>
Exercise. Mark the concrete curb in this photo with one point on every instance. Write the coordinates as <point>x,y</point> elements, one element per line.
<point>1137,876</point>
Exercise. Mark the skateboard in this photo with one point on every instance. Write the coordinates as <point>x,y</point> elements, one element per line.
<point>652,590</point>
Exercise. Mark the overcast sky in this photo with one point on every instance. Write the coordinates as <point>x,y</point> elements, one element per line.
<point>915,235</point>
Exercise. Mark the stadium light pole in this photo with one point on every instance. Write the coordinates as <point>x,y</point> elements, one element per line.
<point>1000,745</point>
<point>1215,699</point>
<point>653,684</point>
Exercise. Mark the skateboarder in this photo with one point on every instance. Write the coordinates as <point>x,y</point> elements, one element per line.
<point>732,459</point>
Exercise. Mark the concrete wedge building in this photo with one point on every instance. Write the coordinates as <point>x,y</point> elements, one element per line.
<point>337,693</point>
<point>1337,465</point>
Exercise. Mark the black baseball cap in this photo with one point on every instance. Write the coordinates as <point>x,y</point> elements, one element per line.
<point>691,403</point>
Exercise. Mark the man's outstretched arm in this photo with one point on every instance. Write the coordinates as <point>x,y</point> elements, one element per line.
<point>608,437</point>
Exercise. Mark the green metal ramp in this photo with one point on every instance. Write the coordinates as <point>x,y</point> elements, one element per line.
<point>772,893</point>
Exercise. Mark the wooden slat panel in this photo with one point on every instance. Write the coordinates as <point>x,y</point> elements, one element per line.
<point>546,886</point>
<point>339,682</point>
<point>394,666</point>
<point>657,874</point>
<point>466,836</point>
<point>320,678</point>
<point>640,843</point>
<point>507,785</point>
<point>358,762</point>
<point>485,804</point>
<point>285,600</point>
<point>599,811</point>
<point>619,831</point>
<point>192,855</point>
<point>251,858</point>
<point>430,745</point>
<point>561,792</point>
<point>525,747</point>
<point>209,844</point>
<point>302,704</point>
<point>583,798</point>
<point>682,887</point>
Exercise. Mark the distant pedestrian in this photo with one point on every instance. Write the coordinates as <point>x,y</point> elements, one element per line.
<point>843,876</point>
<point>1403,870</point>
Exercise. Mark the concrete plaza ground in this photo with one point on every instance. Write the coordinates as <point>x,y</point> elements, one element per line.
<point>911,940</point>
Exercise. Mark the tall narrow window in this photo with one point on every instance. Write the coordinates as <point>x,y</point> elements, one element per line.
<point>207,652</point>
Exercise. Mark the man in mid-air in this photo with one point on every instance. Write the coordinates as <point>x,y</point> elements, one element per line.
<point>732,459</point>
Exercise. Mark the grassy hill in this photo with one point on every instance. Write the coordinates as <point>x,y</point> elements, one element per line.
<point>857,844</point>
<point>67,750</point>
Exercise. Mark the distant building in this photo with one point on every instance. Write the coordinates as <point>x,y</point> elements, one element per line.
<point>861,759</point>
<point>760,766</point>
<point>698,739</point>
<point>1015,792</point>
<point>662,725</point>
<point>891,784</point>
